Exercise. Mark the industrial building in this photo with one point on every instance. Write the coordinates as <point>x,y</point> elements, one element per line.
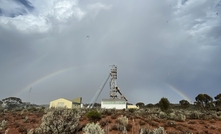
<point>65,103</point>
<point>114,103</point>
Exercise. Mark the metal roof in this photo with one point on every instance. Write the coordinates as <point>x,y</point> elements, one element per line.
<point>114,100</point>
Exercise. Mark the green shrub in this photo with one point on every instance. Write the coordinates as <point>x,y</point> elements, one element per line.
<point>93,115</point>
<point>107,112</point>
<point>194,115</point>
<point>32,109</point>
<point>131,110</point>
<point>184,103</point>
<point>164,104</point>
<point>150,105</point>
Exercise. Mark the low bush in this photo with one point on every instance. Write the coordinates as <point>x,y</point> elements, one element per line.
<point>171,123</point>
<point>113,117</point>
<point>33,121</point>
<point>3,124</point>
<point>154,124</point>
<point>106,112</point>
<point>122,122</point>
<point>131,110</point>
<point>59,121</point>
<point>92,128</point>
<point>129,127</point>
<point>22,129</point>
<point>194,115</point>
<point>141,123</point>
<point>16,124</point>
<point>93,115</point>
<point>159,130</point>
<point>114,127</point>
<point>32,109</point>
<point>103,123</point>
<point>192,122</point>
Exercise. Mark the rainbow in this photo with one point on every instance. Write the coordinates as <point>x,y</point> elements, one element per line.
<point>179,92</point>
<point>42,79</point>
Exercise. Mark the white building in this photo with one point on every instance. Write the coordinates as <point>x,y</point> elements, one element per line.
<point>114,104</point>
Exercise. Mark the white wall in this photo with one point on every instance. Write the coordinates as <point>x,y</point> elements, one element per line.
<point>111,106</point>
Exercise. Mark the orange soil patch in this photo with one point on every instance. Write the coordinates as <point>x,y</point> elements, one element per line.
<point>17,124</point>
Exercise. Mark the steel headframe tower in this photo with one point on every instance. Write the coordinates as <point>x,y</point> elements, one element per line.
<point>114,89</point>
<point>113,82</point>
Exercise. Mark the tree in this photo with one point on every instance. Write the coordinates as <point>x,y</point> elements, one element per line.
<point>204,100</point>
<point>164,104</point>
<point>218,97</point>
<point>140,104</point>
<point>218,100</point>
<point>1,105</point>
<point>150,105</point>
<point>12,102</point>
<point>184,103</point>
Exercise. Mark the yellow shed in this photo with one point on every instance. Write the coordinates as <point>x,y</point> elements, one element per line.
<point>65,103</point>
<point>132,107</point>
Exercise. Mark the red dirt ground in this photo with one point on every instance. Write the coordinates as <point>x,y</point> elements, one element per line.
<point>17,125</point>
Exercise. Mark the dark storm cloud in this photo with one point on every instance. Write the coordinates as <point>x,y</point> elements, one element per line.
<point>154,45</point>
<point>26,3</point>
<point>183,2</point>
<point>215,33</point>
<point>15,8</point>
<point>218,4</point>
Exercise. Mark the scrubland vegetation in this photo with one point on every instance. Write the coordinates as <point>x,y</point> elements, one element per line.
<point>202,117</point>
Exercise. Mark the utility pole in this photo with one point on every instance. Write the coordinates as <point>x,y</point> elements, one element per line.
<point>29,93</point>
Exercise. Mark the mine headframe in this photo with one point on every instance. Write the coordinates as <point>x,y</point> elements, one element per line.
<point>114,89</point>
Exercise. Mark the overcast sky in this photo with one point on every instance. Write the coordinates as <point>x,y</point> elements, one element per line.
<point>64,48</point>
